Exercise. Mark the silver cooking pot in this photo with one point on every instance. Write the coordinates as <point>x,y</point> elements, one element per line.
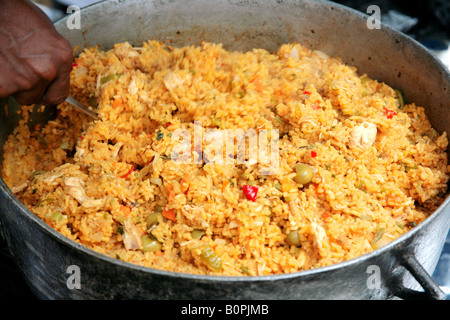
<point>401,269</point>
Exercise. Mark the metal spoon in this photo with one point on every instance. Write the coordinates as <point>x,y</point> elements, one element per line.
<point>81,107</point>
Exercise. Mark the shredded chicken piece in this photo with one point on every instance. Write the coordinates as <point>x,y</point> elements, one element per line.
<point>125,50</point>
<point>49,178</point>
<point>363,135</point>
<point>93,203</point>
<point>132,88</point>
<point>293,54</point>
<point>19,188</point>
<point>297,213</point>
<point>131,236</point>
<point>75,188</point>
<point>172,80</point>
<point>116,149</point>
<point>195,215</point>
<point>320,237</point>
<point>80,152</point>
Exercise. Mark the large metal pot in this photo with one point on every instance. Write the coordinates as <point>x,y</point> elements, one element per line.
<point>402,267</point>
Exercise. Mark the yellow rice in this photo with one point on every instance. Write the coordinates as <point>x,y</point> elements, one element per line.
<point>360,197</point>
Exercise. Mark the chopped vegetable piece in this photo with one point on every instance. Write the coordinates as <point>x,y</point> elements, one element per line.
<point>378,234</point>
<point>225,184</point>
<point>401,100</point>
<point>304,173</point>
<point>399,224</point>
<point>313,154</point>
<point>145,170</point>
<point>92,101</point>
<point>413,167</point>
<point>125,210</point>
<point>244,269</point>
<point>46,200</point>
<point>306,92</point>
<point>277,185</point>
<point>431,134</point>
<point>279,119</point>
<point>160,135</point>
<point>42,141</point>
<point>117,102</point>
<point>360,185</point>
<point>169,214</point>
<point>366,217</point>
<point>57,216</point>
<point>120,229</point>
<point>250,192</point>
<point>64,145</point>
<point>211,259</point>
<point>197,234</point>
<point>150,245</point>
<point>109,78</point>
<point>412,224</point>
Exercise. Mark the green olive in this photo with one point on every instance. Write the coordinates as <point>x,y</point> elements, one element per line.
<point>304,173</point>
<point>150,245</point>
<point>292,239</point>
<point>153,219</point>
<point>211,259</point>
<point>197,234</point>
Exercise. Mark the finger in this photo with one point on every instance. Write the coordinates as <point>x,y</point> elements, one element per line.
<point>32,96</point>
<point>15,77</point>
<point>58,89</point>
<point>6,86</point>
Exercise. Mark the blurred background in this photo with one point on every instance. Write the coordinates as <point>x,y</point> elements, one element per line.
<point>427,21</point>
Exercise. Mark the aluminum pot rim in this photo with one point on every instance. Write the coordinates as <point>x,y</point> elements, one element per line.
<point>304,273</point>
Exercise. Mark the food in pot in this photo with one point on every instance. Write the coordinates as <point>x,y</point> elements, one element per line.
<point>355,166</point>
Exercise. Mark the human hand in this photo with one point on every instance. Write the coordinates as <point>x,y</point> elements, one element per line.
<point>35,60</point>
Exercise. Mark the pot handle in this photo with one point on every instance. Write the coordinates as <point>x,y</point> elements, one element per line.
<point>431,288</point>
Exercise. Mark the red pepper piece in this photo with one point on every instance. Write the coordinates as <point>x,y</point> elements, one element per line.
<point>313,154</point>
<point>306,92</point>
<point>389,113</point>
<point>129,172</point>
<point>250,192</point>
